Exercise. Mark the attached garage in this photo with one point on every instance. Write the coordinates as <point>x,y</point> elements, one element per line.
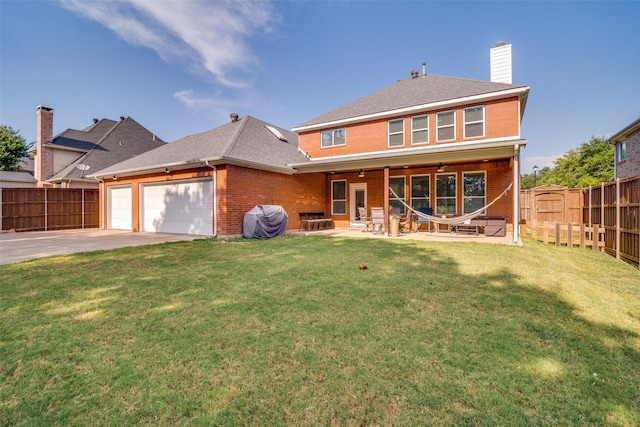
<point>180,207</point>
<point>119,208</point>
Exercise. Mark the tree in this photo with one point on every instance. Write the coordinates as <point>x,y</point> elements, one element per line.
<point>585,166</point>
<point>12,149</point>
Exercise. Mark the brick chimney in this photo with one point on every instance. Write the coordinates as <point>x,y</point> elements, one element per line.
<point>44,133</point>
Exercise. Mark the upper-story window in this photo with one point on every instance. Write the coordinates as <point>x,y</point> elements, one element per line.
<point>446,125</point>
<point>474,122</point>
<point>396,133</point>
<point>622,151</point>
<point>420,130</point>
<point>331,138</point>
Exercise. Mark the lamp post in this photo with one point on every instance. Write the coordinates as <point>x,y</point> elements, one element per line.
<point>535,175</point>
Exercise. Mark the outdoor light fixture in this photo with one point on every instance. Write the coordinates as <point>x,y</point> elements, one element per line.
<point>535,175</point>
<point>115,177</point>
<point>361,174</point>
<point>166,170</point>
<point>440,168</point>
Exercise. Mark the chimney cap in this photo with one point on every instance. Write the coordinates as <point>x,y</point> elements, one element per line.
<point>43,108</point>
<point>499,44</point>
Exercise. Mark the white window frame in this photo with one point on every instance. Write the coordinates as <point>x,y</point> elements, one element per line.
<point>464,116</point>
<point>401,197</point>
<point>334,200</point>
<point>428,198</point>
<point>414,129</point>
<point>465,196</point>
<point>401,133</point>
<point>437,209</point>
<point>622,151</point>
<point>333,138</point>
<point>453,125</point>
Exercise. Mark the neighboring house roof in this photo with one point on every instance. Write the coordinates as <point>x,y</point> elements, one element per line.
<point>105,143</point>
<point>245,142</point>
<point>26,164</point>
<point>17,177</point>
<point>416,93</point>
<point>624,133</point>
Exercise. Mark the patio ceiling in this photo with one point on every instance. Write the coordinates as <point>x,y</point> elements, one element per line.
<point>428,155</point>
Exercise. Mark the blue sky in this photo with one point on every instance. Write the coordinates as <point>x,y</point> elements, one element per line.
<point>181,67</point>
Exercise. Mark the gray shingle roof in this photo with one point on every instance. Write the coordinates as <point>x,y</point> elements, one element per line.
<point>411,92</point>
<point>244,141</point>
<point>17,177</point>
<point>107,142</point>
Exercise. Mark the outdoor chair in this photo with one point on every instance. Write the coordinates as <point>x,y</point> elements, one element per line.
<point>377,219</point>
<point>422,220</point>
<point>362,216</point>
<point>405,222</point>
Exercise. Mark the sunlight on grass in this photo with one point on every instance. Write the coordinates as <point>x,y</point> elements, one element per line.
<point>289,331</point>
<point>546,367</point>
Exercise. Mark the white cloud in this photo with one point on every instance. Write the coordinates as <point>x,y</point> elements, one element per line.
<point>208,35</point>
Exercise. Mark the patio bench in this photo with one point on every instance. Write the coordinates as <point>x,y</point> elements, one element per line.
<point>313,220</point>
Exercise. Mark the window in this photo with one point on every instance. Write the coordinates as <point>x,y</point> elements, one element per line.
<point>420,130</point>
<point>331,138</point>
<point>446,194</point>
<point>420,191</point>
<point>474,191</point>
<point>397,184</point>
<point>622,151</point>
<point>396,133</point>
<point>474,122</point>
<point>446,125</point>
<point>339,197</point>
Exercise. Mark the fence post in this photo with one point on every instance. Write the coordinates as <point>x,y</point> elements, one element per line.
<point>557,234</point>
<point>582,231</point>
<point>618,218</point>
<point>83,208</point>
<point>46,216</point>
<point>569,235</point>
<point>596,237</point>
<point>0,208</point>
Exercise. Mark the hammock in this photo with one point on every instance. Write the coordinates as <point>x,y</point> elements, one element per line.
<point>453,220</point>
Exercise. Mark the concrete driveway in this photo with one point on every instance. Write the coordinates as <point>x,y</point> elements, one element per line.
<point>16,247</point>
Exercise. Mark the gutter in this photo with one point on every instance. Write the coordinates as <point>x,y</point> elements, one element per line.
<point>215,197</point>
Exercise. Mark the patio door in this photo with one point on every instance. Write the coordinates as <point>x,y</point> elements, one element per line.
<point>357,199</point>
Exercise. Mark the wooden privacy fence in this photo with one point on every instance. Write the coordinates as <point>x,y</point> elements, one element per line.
<point>616,207</point>
<point>570,235</point>
<point>42,209</point>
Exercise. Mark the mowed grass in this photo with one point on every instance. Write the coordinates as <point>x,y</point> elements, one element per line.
<point>289,331</point>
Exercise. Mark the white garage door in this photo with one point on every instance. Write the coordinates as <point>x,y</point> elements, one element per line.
<point>183,207</point>
<point>119,210</point>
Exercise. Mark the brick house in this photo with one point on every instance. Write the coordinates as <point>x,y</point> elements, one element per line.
<point>448,143</point>
<point>627,151</point>
<point>65,160</point>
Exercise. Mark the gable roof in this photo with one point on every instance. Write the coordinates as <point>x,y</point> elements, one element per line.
<point>25,177</point>
<point>105,143</point>
<point>245,142</point>
<point>414,94</point>
<point>624,133</point>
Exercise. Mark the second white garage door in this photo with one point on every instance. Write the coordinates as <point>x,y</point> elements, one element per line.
<point>183,207</point>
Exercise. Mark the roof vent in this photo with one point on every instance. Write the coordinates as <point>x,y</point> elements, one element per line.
<point>121,117</point>
<point>95,120</point>
<point>414,74</point>
<point>234,117</point>
<point>424,68</point>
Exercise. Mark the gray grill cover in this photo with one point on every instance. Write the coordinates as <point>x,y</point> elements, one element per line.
<point>264,221</point>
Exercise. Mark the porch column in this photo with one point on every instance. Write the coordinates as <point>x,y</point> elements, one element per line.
<point>386,199</point>
<point>516,195</point>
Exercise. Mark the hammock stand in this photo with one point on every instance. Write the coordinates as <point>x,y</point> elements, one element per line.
<point>453,220</point>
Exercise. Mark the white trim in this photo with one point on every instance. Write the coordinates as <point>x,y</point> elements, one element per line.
<point>389,133</point>
<point>416,108</point>
<point>413,130</point>
<point>453,125</point>
<point>465,123</point>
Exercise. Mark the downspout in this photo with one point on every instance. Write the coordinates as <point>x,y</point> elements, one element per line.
<point>215,198</point>
<point>516,194</point>
<point>104,204</point>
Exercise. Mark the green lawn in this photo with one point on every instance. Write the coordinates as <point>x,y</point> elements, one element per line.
<point>289,331</point>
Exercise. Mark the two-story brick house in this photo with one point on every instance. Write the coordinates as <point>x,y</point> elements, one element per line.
<point>627,151</point>
<point>448,143</point>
